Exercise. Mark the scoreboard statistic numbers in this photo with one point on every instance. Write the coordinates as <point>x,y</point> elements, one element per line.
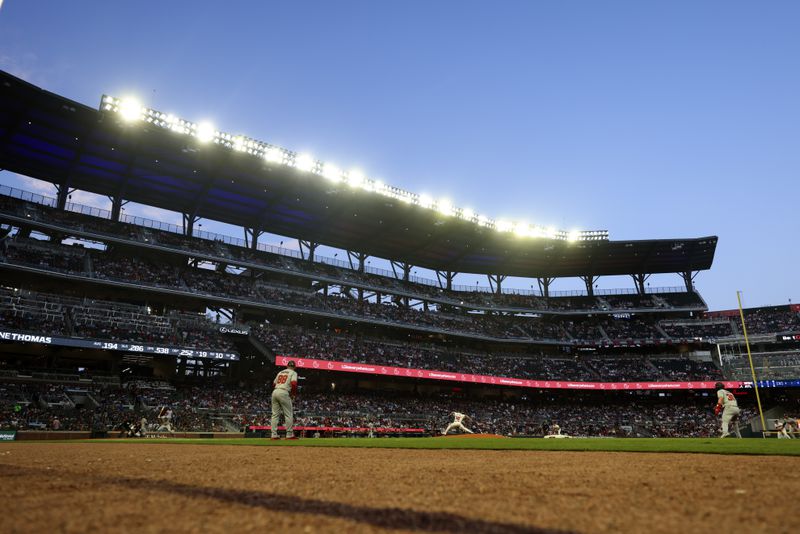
<point>121,346</point>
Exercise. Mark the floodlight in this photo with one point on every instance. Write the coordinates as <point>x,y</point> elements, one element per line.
<point>332,172</point>
<point>425,201</point>
<point>274,155</point>
<point>130,110</point>
<point>356,178</point>
<point>177,125</point>
<point>304,162</point>
<point>504,226</point>
<point>444,206</point>
<point>522,229</point>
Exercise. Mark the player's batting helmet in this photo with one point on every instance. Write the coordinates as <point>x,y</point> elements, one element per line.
<point>719,385</point>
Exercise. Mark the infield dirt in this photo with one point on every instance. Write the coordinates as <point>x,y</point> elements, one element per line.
<point>105,487</point>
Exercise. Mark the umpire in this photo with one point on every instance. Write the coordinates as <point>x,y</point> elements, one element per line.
<point>285,389</point>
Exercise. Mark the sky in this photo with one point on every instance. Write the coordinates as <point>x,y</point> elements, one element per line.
<point>651,120</point>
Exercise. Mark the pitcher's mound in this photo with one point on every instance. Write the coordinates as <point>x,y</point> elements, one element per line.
<point>473,436</point>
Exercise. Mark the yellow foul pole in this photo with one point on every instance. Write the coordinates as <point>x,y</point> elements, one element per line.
<point>750,359</point>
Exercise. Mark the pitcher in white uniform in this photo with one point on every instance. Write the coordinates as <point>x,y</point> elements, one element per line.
<point>285,389</point>
<point>457,423</point>
<point>726,403</point>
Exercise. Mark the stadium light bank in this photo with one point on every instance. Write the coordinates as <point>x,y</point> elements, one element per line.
<point>131,110</point>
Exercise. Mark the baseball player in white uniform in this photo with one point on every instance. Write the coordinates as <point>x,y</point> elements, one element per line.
<point>726,403</point>
<point>284,390</point>
<point>782,426</point>
<point>457,423</point>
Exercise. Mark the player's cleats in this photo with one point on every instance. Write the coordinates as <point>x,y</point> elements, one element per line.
<point>293,437</point>
<point>274,439</point>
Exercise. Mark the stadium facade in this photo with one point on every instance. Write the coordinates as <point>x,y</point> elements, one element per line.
<point>127,300</point>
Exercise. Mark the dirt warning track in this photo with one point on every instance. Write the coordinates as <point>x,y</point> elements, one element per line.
<point>69,487</point>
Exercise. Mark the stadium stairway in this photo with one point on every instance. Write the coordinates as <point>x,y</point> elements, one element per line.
<point>587,366</point>
<point>661,331</point>
<point>659,302</point>
<point>69,321</point>
<point>603,333</point>
<point>652,367</point>
<point>229,425</point>
<point>255,343</point>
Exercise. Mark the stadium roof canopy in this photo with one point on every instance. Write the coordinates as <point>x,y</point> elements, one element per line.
<point>52,138</point>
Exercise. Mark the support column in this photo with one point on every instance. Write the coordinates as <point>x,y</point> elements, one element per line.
<point>639,280</point>
<point>496,282</point>
<point>405,269</point>
<point>189,220</point>
<point>544,286</point>
<point>688,279</point>
<point>445,279</point>
<point>116,206</point>
<point>589,280</point>
<point>307,249</point>
<point>360,259</point>
<point>251,236</point>
<point>63,191</point>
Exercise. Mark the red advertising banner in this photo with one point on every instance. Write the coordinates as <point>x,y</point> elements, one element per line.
<point>355,429</point>
<point>385,370</point>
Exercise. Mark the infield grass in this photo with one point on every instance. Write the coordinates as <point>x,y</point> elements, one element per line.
<point>677,445</point>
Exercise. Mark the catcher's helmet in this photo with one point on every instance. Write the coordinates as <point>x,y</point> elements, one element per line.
<point>291,364</point>
<point>719,385</point>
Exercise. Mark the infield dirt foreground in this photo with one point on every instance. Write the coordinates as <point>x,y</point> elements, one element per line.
<point>148,487</point>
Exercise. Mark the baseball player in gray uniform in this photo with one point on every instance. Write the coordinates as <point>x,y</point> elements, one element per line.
<point>284,390</point>
<point>726,403</point>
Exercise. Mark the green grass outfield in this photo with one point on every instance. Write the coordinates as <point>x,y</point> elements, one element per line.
<point>680,445</point>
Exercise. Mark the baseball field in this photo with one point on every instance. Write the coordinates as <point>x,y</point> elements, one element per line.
<point>490,485</point>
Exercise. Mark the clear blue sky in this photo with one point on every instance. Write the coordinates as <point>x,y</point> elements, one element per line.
<point>676,119</point>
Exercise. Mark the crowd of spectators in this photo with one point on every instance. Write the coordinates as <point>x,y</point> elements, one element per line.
<point>218,408</point>
<point>334,345</point>
<point>134,270</point>
<point>443,310</point>
<point>688,330</point>
<point>44,313</point>
<point>30,252</point>
<point>771,320</point>
<point>230,249</point>
<point>27,312</point>
<point>625,370</point>
<point>685,370</point>
<point>777,365</point>
<point>633,327</point>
